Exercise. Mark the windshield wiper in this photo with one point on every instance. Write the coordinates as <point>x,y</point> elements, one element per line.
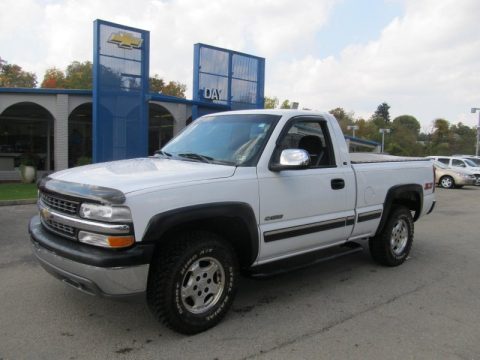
<point>163,153</point>
<point>198,157</point>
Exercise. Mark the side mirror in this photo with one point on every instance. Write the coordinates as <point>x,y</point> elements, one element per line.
<point>292,159</point>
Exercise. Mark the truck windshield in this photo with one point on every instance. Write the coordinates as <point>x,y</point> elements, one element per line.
<point>223,139</point>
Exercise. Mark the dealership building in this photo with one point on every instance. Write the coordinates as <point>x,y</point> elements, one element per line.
<point>119,118</point>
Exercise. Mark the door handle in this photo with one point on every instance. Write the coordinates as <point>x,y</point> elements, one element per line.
<point>338,184</point>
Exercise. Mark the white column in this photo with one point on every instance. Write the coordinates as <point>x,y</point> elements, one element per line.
<point>61,133</point>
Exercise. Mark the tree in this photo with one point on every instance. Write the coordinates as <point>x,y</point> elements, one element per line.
<point>344,119</point>
<point>464,139</point>
<point>53,79</point>
<point>382,112</point>
<point>408,122</point>
<point>270,102</point>
<point>173,88</point>
<point>156,84</point>
<point>404,136</point>
<point>286,105</point>
<point>79,75</point>
<point>13,76</point>
<point>441,131</point>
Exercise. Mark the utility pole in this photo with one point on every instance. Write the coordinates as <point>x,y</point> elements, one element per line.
<point>383,132</point>
<point>474,110</point>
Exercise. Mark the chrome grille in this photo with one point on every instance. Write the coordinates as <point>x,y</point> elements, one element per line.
<point>62,205</point>
<point>60,229</point>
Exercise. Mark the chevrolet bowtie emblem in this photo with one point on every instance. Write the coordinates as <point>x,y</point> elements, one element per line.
<point>125,40</point>
<point>45,214</point>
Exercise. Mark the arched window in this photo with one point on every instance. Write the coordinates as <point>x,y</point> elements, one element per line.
<point>80,135</point>
<point>160,127</point>
<point>26,131</point>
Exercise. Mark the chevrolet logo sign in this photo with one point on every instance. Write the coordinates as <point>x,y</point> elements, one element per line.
<point>125,40</point>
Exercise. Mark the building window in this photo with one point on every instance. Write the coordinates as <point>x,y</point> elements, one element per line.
<point>26,132</point>
<point>160,128</point>
<point>80,136</point>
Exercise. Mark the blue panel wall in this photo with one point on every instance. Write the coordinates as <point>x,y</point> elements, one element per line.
<point>120,87</point>
<point>227,77</point>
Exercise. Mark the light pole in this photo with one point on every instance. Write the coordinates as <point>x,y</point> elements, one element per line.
<point>383,132</point>
<point>474,110</point>
<point>353,128</point>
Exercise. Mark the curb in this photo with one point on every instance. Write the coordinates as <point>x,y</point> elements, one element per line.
<point>17,202</point>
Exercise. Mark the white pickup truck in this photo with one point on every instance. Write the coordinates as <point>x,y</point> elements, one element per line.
<point>240,191</point>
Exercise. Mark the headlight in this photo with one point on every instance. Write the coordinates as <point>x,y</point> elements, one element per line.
<point>105,212</point>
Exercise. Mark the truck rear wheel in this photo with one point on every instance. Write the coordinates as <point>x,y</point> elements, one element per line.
<point>392,245</point>
<point>192,282</point>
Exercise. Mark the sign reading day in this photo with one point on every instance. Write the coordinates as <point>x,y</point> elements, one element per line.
<point>227,77</point>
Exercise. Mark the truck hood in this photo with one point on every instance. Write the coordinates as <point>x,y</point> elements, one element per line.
<point>143,173</point>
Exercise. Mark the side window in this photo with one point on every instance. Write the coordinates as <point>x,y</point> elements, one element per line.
<point>311,136</point>
<point>444,161</point>
<point>458,163</point>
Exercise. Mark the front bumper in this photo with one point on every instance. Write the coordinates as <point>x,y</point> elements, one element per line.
<point>94,271</point>
<point>467,181</point>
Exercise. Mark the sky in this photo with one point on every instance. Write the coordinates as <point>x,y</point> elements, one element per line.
<point>422,57</point>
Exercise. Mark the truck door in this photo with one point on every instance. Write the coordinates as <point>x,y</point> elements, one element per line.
<point>305,209</point>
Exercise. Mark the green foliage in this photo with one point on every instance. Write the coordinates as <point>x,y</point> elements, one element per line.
<point>286,105</point>
<point>408,122</point>
<point>79,75</point>
<point>344,119</point>
<point>173,88</point>
<point>270,102</point>
<point>382,113</point>
<point>156,84</point>
<point>13,76</point>
<point>53,79</point>
<point>17,191</point>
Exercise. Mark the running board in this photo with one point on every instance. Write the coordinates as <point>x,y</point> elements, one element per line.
<point>304,260</point>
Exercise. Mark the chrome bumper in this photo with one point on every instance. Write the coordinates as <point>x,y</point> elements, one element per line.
<point>117,281</point>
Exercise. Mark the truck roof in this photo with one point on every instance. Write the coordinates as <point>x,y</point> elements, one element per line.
<point>281,112</point>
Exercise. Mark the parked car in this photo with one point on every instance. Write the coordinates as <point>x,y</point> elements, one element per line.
<point>460,163</point>
<point>472,158</point>
<point>450,178</point>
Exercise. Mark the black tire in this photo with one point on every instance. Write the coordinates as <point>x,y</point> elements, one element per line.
<point>446,182</point>
<point>392,245</point>
<point>180,268</point>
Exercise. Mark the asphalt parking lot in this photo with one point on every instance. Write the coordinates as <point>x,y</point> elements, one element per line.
<point>349,308</point>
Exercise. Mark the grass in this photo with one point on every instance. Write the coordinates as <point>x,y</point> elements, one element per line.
<point>17,191</point>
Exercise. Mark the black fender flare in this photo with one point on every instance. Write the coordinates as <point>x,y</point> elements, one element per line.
<point>160,223</point>
<point>395,193</point>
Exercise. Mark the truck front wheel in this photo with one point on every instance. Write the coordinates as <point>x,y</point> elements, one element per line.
<point>192,282</point>
<point>392,245</point>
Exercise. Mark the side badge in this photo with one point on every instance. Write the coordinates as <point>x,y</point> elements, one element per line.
<point>274,217</point>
